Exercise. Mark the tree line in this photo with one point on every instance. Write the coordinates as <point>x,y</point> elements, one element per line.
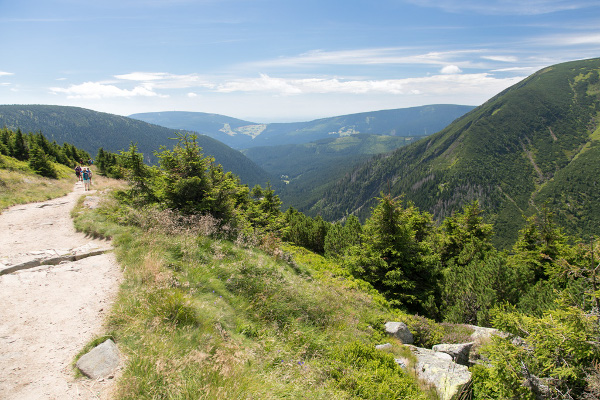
<point>39,152</point>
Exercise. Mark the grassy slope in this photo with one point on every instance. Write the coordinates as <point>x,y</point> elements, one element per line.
<point>20,185</point>
<point>198,316</point>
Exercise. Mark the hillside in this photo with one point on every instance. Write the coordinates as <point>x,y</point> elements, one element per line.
<point>239,134</point>
<point>534,143</point>
<point>91,130</point>
<point>304,169</point>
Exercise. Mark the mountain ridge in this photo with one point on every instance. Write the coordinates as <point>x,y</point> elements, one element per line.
<point>240,134</point>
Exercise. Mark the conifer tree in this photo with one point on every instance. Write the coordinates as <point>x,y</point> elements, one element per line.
<point>396,257</point>
<point>40,163</point>
<point>19,147</point>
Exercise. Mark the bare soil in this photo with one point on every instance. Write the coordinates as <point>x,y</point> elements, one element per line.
<point>49,313</point>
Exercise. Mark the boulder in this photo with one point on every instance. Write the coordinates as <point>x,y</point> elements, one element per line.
<point>439,370</point>
<point>400,331</point>
<point>101,361</point>
<point>458,351</point>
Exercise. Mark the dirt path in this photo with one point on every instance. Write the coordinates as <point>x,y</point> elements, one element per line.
<point>48,313</point>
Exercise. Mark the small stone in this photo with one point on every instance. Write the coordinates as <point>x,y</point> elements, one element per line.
<point>101,361</point>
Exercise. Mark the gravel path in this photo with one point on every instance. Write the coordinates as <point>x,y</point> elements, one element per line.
<point>48,313</point>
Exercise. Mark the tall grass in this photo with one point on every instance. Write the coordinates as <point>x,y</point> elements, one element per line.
<point>205,318</point>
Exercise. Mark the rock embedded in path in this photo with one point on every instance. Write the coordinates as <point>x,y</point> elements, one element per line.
<point>400,331</point>
<point>101,361</point>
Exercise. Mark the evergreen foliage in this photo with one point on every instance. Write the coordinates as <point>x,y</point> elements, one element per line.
<point>395,255</point>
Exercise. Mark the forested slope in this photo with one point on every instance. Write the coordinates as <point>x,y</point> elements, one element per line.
<point>534,143</point>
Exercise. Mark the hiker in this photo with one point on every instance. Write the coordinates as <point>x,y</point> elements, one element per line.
<point>90,176</point>
<point>86,179</point>
<point>78,172</point>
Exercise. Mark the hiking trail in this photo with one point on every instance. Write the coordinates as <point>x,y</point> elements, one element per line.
<point>48,313</point>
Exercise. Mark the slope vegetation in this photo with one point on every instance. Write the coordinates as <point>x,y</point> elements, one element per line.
<point>534,143</point>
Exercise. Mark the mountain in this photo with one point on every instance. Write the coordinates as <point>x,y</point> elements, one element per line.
<point>239,134</point>
<point>536,143</point>
<point>91,130</point>
<point>304,169</point>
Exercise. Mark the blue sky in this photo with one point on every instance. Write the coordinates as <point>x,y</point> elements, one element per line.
<point>282,60</point>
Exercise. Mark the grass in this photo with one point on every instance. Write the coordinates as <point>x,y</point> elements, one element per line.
<point>205,318</point>
<point>20,185</point>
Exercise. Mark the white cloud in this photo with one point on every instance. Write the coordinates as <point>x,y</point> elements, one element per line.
<point>97,90</point>
<point>436,84</point>
<point>163,80</point>
<point>507,59</point>
<point>451,69</point>
<point>573,40</point>
<point>528,70</point>
<point>2,73</point>
<point>506,7</point>
<point>376,56</point>
<point>192,94</point>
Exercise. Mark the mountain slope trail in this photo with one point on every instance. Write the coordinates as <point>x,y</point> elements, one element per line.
<point>48,313</point>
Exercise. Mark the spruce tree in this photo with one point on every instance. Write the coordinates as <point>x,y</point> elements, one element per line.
<point>19,147</point>
<point>41,164</point>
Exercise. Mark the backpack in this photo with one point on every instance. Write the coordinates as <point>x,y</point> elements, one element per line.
<point>85,174</point>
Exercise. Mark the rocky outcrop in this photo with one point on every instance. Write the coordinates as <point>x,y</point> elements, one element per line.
<point>439,370</point>
<point>458,351</point>
<point>445,367</point>
<point>400,331</point>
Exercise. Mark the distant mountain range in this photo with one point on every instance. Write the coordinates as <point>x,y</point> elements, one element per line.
<point>535,143</point>
<point>239,134</point>
<point>91,130</point>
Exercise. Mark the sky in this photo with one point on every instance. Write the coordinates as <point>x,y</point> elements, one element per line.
<point>282,60</point>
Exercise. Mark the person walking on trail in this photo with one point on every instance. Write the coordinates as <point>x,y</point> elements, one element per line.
<point>90,176</point>
<point>78,172</point>
<point>86,179</point>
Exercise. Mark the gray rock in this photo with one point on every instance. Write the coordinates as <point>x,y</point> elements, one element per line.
<point>437,368</point>
<point>101,361</point>
<point>459,351</point>
<point>481,333</point>
<point>402,362</point>
<point>400,331</point>
<point>91,202</point>
<point>385,346</point>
